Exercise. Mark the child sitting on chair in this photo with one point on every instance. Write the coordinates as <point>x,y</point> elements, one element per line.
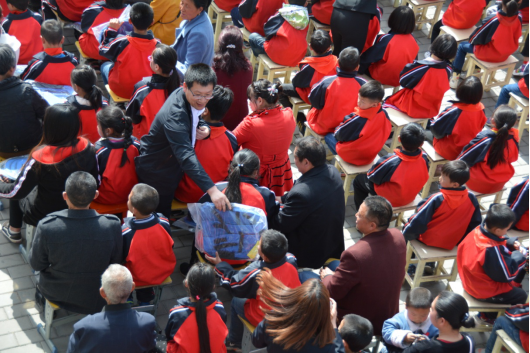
<point>518,202</point>
<point>24,25</point>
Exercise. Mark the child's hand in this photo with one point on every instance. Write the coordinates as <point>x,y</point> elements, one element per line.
<point>325,271</point>
<point>214,260</point>
<point>115,24</point>
<point>410,338</point>
<point>5,179</point>
<point>333,312</point>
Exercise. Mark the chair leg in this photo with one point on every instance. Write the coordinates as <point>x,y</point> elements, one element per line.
<point>45,331</point>
<point>346,186</point>
<point>498,197</point>
<point>419,273</point>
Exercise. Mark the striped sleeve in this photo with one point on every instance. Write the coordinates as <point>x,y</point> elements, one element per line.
<point>111,45</point>
<point>475,152</point>
<point>26,181</point>
<point>382,171</point>
<point>412,74</point>
<point>419,222</point>
<point>444,123</point>
<point>503,265</point>
<point>241,284</point>
<point>518,199</point>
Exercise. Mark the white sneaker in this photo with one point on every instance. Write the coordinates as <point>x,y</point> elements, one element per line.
<point>455,79</point>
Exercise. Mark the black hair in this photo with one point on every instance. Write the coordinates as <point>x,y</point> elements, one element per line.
<point>245,162</point>
<point>200,73</point>
<point>356,331</point>
<point>349,59</point>
<point>205,4</point>
<point>166,58</point>
<point>499,216</point>
<point>454,309</point>
<point>297,2</point>
<point>372,90</point>
<point>412,137</point>
<point>444,47</point>
<point>201,280</point>
<point>141,16</point>
<point>115,4</point>
<point>81,188</point>
<point>21,5</point>
<point>457,171</point>
<point>504,118</point>
<point>311,149</point>
<point>8,59</point>
<point>379,210</point>
<point>419,298</point>
<point>220,103</point>
<point>512,8</point>
<point>86,78</point>
<point>470,90</point>
<point>113,117</point>
<point>263,88</point>
<point>144,198</point>
<point>52,31</point>
<point>320,41</point>
<point>402,20</point>
<point>273,245</point>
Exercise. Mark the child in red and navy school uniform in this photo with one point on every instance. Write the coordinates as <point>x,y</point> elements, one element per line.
<point>243,285</point>
<point>321,10</point>
<point>373,29</point>
<point>25,26</point>
<point>461,14</point>
<point>398,177</point>
<point>491,153</point>
<point>67,10</point>
<point>151,93</point>
<point>200,319</point>
<point>115,151</point>
<point>362,134</point>
<point>518,202</point>
<point>459,123</point>
<point>334,97</point>
<point>96,14</point>
<point>425,81</point>
<point>445,218</point>
<point>255,13</point>
<point>385,60</point>
<point>147,244</point>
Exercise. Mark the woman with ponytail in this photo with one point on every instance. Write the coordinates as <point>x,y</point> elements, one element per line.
<point>490,155</point>
<point>88,101</point>
<point>116,151</point>
<point>198,323</point>
<point>151,93</point>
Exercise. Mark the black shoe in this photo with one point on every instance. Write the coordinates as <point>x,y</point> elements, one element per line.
<point>184,268</point>
<point>233,347</point>
<point>12,237</point>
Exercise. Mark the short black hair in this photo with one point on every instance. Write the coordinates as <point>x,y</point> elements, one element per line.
<point>311,149</point>
<point>419,298</point>
<point>499,216</point>
<point>402,20</point>
<point>220,103</point>
<point>379,210</point>
<point>115,4</point>
<point>457,171</point>
<point>470,90</point>
<point>356,331</point>
<point>52,31</point>
<point>21,5</point>
<point>297,2</point>
<point>200,73</point>
<point>81,189</point>
<point>273,245</point>
<point>144,198</point>
<point>320,41</point>
<point>141,16</point>
<point>8,58</point>
<point>444,47</point>
<point>205,4</point>
<point>412,137</point>
<point>349,59</point>
<point>372,90</point>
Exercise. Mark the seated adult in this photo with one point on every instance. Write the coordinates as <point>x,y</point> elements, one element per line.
<point>368,278</point>
<point>72,248</point>
<point>118,328</point>
<point>312,215</point>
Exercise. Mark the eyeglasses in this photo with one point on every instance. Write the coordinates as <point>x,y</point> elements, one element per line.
<point>199,97</point>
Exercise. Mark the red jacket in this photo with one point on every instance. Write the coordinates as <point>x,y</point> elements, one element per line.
<point>255,13</point>
<point>362,134</point>
<point>52,66</point>
<point>373,29</point>
<point>463,14</point>
<point>455,127</point>
<point>518,202</point>
<point>523,83</point>
<point>401,176</point>
<point>87,115</point>
<point>487,264</point>
<point>322,10</point>
<point>312,70</point>
<point>5,10</point>
<point>25,26</point>
<point>71,9</point>
<point>332,99</point>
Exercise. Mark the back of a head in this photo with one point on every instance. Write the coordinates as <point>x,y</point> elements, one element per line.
<point>412,137</point>
<point>297,2</point>
<point>144,199</point>
<point>444,47</point>
<point>8,59</point>
<point>220,103</point>
<point>166,58</point>
<point>268,91</point>
<point>81,189</point>
<point>470,90</point>
<point>205,4</point>
<point>356,331</point>
<point>504,118</point>
<point>512,7</point>
<point>320,41</point>
<point>244,163</point>
<point>230,58</point>
<point>61,125</point>
<point>454,309</point>
<point>402,20</point>
<point>419,298</point>
<point>379,211</point>
<point>117,283</point>
<point>115,4</point>
<point>21,5</point>
<point>457,171</point>
<point>141,16</point>
<point>201,74</point>
<point>85,77</point>
<point>311,149</point>
<point>499,216</point>
<point>52,32</point>
<point>349,59</point>
<point>372,90</point>
<point>273,245</point>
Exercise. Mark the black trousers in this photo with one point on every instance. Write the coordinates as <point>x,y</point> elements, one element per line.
<point>524,52</point>
<point>513,297</point>
<point>349,29</point>
<point>436,30</point>
<point>288,91</point>
<point>362,188</point>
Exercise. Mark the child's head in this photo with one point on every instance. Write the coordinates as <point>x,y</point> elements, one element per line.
<point>470,90</point>
<point>370,95</point>
<point>499,219</point>
<point>263,94</point>
<point>418,304</point>
<point>511,7</point>
<point>402,20</point>
<point>273,246</point>
<point>244,163</point>
<point>504,118</point>
<point>217,107</point>
<point>444,47</point>
<point>141,16</point>
<point>17,5</point>
<point>163,62</point>
<point>356,332</point>
<point>454,174</point>
<point>115,4</point>
<point>320,42</point>
<point>113,123</point>
<point>51,33</point>
<point>8,61</point>
<point>349,59</point>
<point>297,2</point>
<point>84,79</point>
<point>449,312</point>
<point>60,126</point>
<point>143,200</point>
<point>412,137</point>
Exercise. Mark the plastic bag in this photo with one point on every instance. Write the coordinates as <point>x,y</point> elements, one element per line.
<point>234,234</point>
<point>12,167</point>
<point>124,18</point>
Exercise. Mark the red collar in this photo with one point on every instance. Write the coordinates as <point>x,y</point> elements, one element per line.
<point>367,113</point>
<point>53,51</point>
<point>54,154</point>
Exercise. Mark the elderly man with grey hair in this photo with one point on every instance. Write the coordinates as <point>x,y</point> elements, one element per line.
<point>118,328</point>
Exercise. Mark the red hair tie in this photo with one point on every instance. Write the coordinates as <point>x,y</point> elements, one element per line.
<point>197,297</point>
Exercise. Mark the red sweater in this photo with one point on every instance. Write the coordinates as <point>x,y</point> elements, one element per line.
<point>463,14</point>
<point>25,26</point>
<point>255,13</point>
<point>285,45</point>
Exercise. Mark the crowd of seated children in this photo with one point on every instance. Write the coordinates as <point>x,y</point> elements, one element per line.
<point>459,123</point>
<point>166,20</point>
<point>128,54</point>
<point>446,217</point>
<point>268,131</point>
<point>460,14</point>
<point>425,81</point>
<point>519,89</point>
<point>151,92</point>
<point>410,325</point>
<point>198,322</point>
<point>329,103</point>
<point>147,243</point>
<point>255,14</point>
<point>491,153</point>
<point>67,10</point>
<point>24,25</point>
<point>385,60</point>
<point>356,333</point>
<point>362,134</point>
<point>391,175</point>
<point>518,202</point>
<point>115,151</point>
<point>514,323</point>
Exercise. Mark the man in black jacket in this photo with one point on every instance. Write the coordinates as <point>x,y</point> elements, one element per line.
<point>313,211</point>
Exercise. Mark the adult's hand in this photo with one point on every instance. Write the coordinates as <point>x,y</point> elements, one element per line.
<point>325,272</point>
<point>202,133</point>
<point>219,199</point>
<point>333,312</point>
<point>115,23</point>
<point>214,260</point>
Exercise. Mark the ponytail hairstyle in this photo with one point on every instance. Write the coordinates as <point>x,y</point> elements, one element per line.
<point>470,90</point>
<point>166,58</point>
<point>511,6</point>
<point>454,309</point>
<point>112,117</point>
<point>504,118</point>
<point>85,77</point>
<point>201,282</point>
<point>266,90</point>
<point>245,162</point>
<point>230,58</point>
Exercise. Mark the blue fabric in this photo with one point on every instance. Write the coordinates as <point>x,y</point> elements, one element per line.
<point>105,71</point>
<point>237,308</point>
<point>194,43</point>
<point>504,96</point>
<point>331,141</point>
<point>305,275</point>
<point>399,322</point>
<point>463,49</point>
<point>237,19</point>
<point>256,44</point>
<point>502,323</point>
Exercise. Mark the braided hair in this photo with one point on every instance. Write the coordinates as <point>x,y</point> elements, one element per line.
<point>504,119</point>
<point>85,77</point>
<point>112,117</point>
<point>245,162</point>
<point>262,88</point>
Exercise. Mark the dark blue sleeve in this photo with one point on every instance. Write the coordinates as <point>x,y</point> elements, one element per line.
<point>350,129</point>
<point>233,141</point>
<point>475,152</point>
<point>242,283</point>
<point>247,8</point>
<point>518,199</point>
<point>382,171</point>
<point>501,265</point>
<point>419,222</point>
<point>412,74</point>
<point>444,123</point>
<point>89,15</point>
<point>259,336</point>
<point>476,219</point>
<point>317,97</point>
<point>339,346</point>
<point>273,25</point>
<point>177,316</point>
<point>111,45</point>
<point>303,78</point>
<point>127,236</point>
<point>375,53</point>
<point>220,309</point>
<point>484,33</point>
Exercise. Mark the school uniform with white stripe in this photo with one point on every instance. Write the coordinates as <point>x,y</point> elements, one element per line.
<point>518,202</point>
